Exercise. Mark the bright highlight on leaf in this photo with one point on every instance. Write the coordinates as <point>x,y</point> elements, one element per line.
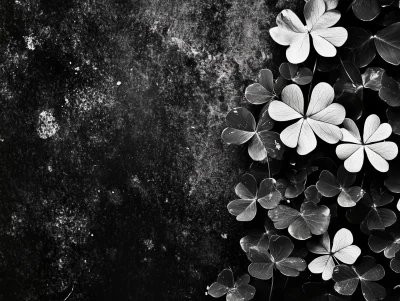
<point>265,258</point>
<point>329,186</point>
<point>386,241</point>
<point>245,208</point>
<point>311,219</point>
<point>262,142</point>
<point>302,76</point>
<point>319,21</point>
<point>234,291</point>
<point>322,117</point>
<point>365,272</point>
<point>377,152</point>
<point>342,250</point>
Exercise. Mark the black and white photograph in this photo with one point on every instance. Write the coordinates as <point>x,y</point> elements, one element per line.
<point>168,150</point>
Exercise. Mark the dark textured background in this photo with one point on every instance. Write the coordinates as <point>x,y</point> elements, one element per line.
<point>113,177</point>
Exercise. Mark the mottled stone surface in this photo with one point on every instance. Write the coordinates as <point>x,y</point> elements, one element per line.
<point>114,179</point>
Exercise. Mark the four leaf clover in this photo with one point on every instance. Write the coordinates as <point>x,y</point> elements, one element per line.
<point>329,186</point>
<point>275,254</point>
<point>322,117</point>
<point>245,208</point>
<point>342,250</point>
<point>377,152</point>
<point>235,291</point>
<point>293,33</point>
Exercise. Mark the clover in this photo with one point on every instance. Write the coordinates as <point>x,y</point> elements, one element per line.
<point>242,127</point>
<point>245,208</point>
<point>370,213</point>
<point>322,117</point>
<point>235,291</point>
<point>275,254</point>
<point>342,249</point>
<point>329,186</point>
<point>293,33</point>
<point>377,152</point>
<point>310,219</point>
<point>365,271</point>
<point>386,241</point>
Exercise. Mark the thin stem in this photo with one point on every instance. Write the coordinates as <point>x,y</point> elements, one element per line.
<point>345,70</point>
<point>362,182</point>
<point>351,4</point>
<point>269,169</point>
<point>309,90</point>
<point>287,279</point>
<point>272,287</point>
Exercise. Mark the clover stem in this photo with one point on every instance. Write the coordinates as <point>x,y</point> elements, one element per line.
<point>272,287</point>
<point>315,67</point>
<point>344,68</point>
<point>269,169</point>
<point>362,182</point>
<point>351,4</point>
<point>287,279</point>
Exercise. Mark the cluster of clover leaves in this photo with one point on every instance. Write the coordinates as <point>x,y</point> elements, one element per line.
<point>342,232</point>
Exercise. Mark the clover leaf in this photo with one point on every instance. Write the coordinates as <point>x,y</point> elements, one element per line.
<point>302,76</point>
<point>293,33</point>
<point>367,10</point>
<point>393,116</point>
<point>370,214</point>
<point>322,117</point>
<point>312,194</point>
<point>386,241</point>
<point>242,128</point>
<point>390,90</point>
<point>377,152</point>
<point>266,90</point>
<point>245,208</point>
<point>296,184</point>
<point>365,44</point>
<point>311,219</point>
<point>256,238</point>
<point>366,272</point>
<point>395,263</point>
<point>235,291</point>
<point>329,186</point>
<point>342,250</point>
<point>265,258</point>
<point>392,181</point>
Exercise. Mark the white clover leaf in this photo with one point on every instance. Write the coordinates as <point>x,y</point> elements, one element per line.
<point>377,152</point>
<point>320,17</point>
<point>322,117</point>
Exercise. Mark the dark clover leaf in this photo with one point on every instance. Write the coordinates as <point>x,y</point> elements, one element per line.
<point>327,64</point>
<point>363,46</point>
<point>242,128</point>
<point>370,214</point>
<point>390,91</point>
<point>329,186</point>
<point>349,90</point>
<point>395,263</point>
<point>386,241</point>
<point>302,76</point>
<point>262,170</point>
<point>311,219</point>
<point>366,10</point>
<point>264,261</point>
<point>392,181</point>
<point>257,237</point>
<point>316,291</point>
<point>387,42</point>
<point>245,208</point>
<point>393,115</point>
<point>391,18</point>
<point>365,271</point>
<point>235,291</point>
<point>296,184</point>
<point>312,194</point>
<point>266,90</point>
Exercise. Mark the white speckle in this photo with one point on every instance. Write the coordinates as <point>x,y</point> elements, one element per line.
<point>224,235</point>
<point>118,83</point>
<point>47,126</point>
<point>149,244</point>
<point>277,145</point>
<point>30,43</point>
<point>49,168</point>
<point>287,201</point>
<point>77,69</point>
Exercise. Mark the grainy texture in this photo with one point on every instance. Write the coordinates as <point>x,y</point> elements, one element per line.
<point>114,179</point>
